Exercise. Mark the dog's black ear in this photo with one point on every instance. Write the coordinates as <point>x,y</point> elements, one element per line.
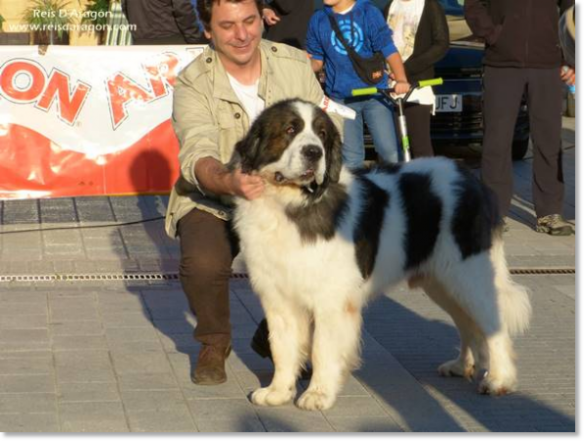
<point>247,150</point>
<point>333,148</point>
<point>333,145</point>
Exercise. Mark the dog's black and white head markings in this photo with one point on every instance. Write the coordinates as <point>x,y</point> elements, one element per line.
<point>295,143</point>
<point>322,240</point>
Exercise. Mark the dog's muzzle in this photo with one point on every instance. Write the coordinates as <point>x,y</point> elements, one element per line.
<point>312,153</point>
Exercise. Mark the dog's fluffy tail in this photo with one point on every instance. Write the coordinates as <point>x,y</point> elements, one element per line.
<point>513,298</point>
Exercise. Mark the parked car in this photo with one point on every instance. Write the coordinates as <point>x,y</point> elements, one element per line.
<point>457,127</point>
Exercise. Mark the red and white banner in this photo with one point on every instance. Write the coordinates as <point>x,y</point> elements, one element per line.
<point>79,121</point>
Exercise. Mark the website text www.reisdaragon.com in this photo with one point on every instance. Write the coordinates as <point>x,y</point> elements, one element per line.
<point>72,27</point>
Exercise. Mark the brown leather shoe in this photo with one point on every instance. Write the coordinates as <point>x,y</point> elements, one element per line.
<point>210,368</point>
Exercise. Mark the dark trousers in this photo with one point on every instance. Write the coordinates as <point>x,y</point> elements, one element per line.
<point>208,247</point>
<point>503,92</point>
<point>419,128</point>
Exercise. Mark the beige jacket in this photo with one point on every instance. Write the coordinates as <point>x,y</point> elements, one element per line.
<point>209,120</point>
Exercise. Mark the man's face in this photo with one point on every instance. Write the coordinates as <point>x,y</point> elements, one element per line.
<point>236,31</point>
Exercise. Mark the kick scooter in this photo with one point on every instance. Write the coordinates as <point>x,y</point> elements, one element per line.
<point>399,102</point>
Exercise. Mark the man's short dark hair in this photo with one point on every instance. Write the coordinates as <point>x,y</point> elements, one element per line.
<point>204,10</point>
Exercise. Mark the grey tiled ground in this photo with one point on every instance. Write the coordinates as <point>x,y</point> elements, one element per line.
<point>116,357</point>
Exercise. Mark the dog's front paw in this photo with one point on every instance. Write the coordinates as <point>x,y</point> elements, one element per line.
<point>270,396</point>
<point>489,385</point>
<point>313,400</point>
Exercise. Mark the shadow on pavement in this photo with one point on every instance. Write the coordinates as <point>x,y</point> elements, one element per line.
<point>421,345</point>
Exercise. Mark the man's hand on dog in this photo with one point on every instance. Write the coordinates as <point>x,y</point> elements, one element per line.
<point>244,185</point>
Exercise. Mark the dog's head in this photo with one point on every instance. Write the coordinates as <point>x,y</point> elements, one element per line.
<point>293,143</point>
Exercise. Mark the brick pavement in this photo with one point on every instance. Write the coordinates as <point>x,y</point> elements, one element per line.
<point>114,356</point>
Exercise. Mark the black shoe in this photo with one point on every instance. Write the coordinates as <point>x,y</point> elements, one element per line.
<point>260,344</point>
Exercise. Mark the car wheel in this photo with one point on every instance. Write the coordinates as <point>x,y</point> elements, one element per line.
<point>520,148</point>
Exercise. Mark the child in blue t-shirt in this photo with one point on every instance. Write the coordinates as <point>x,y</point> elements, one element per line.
<point>365,29</point>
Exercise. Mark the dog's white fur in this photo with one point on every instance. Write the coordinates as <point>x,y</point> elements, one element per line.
<point>313,292</point>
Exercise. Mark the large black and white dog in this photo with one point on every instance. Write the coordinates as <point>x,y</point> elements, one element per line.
<point>322,241</point>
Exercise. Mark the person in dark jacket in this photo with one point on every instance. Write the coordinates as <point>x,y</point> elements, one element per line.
<point>421,34</point>
<point>163,22</point>
<point>523,56</point>
<point>287,21</point>
<point>568,36</point>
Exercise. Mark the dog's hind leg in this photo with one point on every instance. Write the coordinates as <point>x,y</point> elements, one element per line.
<point>463,366</point>
<point>336,343</point>
<point>472,284</point>
<point>288,335</point>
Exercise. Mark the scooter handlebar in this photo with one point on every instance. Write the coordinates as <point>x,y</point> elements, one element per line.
<point>364,91</point>
<point>431,82</point>
<point>373,90</point>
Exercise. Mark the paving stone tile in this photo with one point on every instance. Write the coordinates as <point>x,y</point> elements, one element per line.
<point>220,409</point>
<point>17,321</point>
<point>135,346</point>
<point>27,423</point>
<point>126,320</point>
<point>168,421</point>
<point>289,418</point>
<point>137,401</point>
<point>233,424</point>
<point>147,381</point>
<point>83,366</point>
<point>78,308</point>
<point>351,406</point>
<point>154,362</point>
<point>66,327</point>
<point>93,417</point>
<point>23,339</point>
<point>140,334</point>
<point>81,342</point>
<point>88,392</point>
<point>361,423</point>
<point>18,364</point>
<point>31,403</point>
<point>25,384</point>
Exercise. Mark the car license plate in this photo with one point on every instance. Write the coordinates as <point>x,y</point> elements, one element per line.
<point>448,103</point>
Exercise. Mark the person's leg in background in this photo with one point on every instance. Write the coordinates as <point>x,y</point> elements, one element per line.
<point>208,247</point>
<point>544,101</point>
<point>381,124</point>
<point>502,95</point>
<point>419,127</point>
<point>353,139</point>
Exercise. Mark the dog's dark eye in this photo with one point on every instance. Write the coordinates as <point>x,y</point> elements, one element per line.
<point>290,130</point>
<point>322,134</point>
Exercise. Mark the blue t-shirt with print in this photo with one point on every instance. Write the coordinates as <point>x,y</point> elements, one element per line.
<point>364,28</point>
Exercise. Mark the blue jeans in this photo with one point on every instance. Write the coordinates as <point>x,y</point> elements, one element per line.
<point>381,124</point>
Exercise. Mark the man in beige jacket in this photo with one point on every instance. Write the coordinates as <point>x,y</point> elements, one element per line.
<point>216,98</point>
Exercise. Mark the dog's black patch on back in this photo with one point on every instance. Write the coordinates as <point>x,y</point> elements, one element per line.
<point>320,217</point>
<point>475,214</point>
<point>379,168</point>
<point>423,210</point>
<point>369,224</point>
